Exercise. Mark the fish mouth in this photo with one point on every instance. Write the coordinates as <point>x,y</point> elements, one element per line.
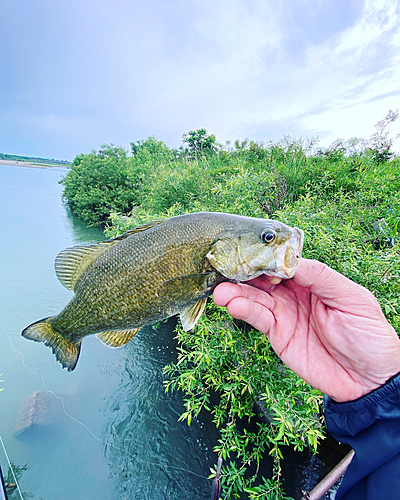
<point>284,273</point>
<point>290,255</point>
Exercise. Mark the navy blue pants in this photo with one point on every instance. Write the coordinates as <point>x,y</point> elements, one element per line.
<point>371,426</point>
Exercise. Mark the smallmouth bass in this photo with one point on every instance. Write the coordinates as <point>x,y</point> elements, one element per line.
<point>159,270</point>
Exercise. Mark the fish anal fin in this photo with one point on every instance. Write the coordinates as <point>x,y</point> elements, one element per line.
<point>71,263</point>
<point>66,352</point>
<point>191,315</point>
<point>116,338</point>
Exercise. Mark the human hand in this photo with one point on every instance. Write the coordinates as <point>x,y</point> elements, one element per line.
<point>325,327</point>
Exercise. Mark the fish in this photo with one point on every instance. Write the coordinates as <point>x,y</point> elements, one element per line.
<point>158,270</point>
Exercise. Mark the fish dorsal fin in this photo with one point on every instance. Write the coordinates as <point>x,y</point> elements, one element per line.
<point>139,229</point>
<point>191,315</point>
<point>72,262</point>
<point>116,338</point>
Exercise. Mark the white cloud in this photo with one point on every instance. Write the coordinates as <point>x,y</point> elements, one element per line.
<point>329,92</point>
<point>246,81</point>
<point>354,121</point>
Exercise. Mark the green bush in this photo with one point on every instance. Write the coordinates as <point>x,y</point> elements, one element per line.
<point>98,183</point>
<point>199,143</point>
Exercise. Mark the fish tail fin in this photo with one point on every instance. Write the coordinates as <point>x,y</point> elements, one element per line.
<point>66,352</point>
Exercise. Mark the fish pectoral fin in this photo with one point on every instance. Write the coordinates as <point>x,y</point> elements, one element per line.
<point>190,316</point>
<point>66,352</point>
<point>192,287</point>
<point>116,338</point>
<point>196,286</point>
<point>71,263</point>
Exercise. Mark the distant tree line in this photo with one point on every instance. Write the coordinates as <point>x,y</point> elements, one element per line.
<point>33,159</point>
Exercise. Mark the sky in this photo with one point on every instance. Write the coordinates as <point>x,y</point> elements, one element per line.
<point>81,73</point>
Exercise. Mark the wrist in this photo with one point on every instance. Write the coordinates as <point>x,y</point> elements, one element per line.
<point>389,390</point>
<point>368,389</point>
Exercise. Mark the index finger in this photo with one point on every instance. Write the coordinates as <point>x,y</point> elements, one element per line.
<point>247,303</point>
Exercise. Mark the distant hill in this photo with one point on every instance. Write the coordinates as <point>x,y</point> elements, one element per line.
<point>33,159</point>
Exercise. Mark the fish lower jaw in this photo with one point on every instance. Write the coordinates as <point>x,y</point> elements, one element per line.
<point>280,272</point>
<point>284,272</point>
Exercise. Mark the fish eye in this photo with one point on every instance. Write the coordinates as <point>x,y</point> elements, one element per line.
<point>268,236</point>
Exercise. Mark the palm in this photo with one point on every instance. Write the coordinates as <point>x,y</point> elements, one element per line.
<point>327,329</point>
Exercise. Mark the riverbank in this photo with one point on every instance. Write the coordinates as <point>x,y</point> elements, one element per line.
<point>13,163</point>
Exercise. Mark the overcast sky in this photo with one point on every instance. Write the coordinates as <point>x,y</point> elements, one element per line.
<point>79,73</point>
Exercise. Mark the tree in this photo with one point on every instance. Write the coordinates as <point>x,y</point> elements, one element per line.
<point>151,152</point>
<point>380,142</point>
<point>199,141</point>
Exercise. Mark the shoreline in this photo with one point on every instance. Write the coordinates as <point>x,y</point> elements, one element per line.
<point>14,163</point>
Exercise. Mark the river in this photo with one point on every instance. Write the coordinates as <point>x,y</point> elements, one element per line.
<point>115,432</point>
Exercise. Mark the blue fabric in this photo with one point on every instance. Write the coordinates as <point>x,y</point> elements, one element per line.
<point>371,426</point>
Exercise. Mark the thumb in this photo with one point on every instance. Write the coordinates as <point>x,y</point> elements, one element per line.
<point>331,287</point>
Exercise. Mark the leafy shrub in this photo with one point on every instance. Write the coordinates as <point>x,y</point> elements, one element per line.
<point>240,366</point>
<point>98,183</point>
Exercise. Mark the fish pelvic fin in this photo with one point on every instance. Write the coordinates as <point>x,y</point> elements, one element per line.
<point>66,352</point>
<point>190,316</point>
<point>116,338</point>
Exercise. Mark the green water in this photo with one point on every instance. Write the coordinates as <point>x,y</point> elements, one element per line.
<point>115,434</point>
